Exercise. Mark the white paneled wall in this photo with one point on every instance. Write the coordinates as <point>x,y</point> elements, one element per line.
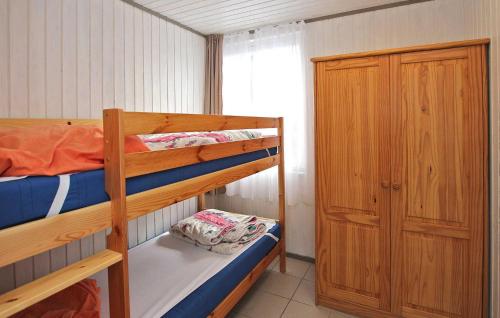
<point>71,59</point>
<point>428,22</point>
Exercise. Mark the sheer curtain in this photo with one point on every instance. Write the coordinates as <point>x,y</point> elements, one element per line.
<point>264,75</point>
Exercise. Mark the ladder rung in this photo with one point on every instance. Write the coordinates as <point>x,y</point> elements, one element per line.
<point>35,291</point>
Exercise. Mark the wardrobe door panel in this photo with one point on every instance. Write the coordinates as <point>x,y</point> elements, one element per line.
<point>353,176</point>
<point>439,168</point>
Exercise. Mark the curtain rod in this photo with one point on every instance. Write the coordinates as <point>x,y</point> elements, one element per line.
<point>357,11</point>
<point>369,9</point>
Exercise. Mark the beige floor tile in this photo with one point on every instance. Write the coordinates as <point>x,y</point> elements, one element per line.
<point>311,273</point>
<point>294,267</point>
<point>338,314</point>
<point>261,304</point>
<point>237,315</point>
<point>299,310</point>
<point>283,285</point>
<point>305,293</point>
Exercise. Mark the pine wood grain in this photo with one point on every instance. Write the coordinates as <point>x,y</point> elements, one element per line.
<point>440,220</point>
<point>140,163</point>
<point>31,293</point>
<point>428,47</point>
<point>114,169</point>
<point>223,309</point>
<point>21,241</point>
<point>353,205</point>
<point>150,123</point>
<point>142,203</point>
<point>437,131</point>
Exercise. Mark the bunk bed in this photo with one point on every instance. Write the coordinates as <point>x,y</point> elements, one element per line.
<point>139,183</point>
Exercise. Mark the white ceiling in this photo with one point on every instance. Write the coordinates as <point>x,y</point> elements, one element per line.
<point>224,16</point>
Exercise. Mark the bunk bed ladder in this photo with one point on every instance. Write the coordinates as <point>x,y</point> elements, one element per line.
<point>114,170</point>
<point>37,290</point>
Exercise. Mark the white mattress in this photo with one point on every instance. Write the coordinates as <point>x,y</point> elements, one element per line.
<point>165,270</point>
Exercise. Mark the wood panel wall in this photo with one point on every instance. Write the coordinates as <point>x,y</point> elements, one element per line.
<point>428,22</point>
<point>72,58</point>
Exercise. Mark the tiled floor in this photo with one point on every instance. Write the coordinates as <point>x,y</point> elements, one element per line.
<point>289,295</point>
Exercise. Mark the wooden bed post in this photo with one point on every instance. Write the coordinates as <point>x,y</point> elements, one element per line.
<point>114,168</point>
<point>282,201</point>
<point>202,203</point>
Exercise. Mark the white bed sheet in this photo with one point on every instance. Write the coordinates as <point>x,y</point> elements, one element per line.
<point>165,270</point>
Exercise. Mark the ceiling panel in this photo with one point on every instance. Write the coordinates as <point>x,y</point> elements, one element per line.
<point>224,16</point>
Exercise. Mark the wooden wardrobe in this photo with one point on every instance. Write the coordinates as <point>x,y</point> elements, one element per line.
<point>402,181</point>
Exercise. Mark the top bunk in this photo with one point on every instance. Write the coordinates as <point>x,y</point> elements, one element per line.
<point>150,179</point>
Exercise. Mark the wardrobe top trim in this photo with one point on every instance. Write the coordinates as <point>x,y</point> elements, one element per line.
<point>403,50</point>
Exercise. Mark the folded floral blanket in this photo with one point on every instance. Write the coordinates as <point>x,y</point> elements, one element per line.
<point>179,140</point>
<point>219,231</point>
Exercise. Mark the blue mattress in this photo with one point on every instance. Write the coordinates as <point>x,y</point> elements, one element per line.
<point>202,301</point>
<point>31,198</point>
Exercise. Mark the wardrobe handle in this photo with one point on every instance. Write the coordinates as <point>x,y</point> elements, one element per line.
<point>385,184</point>
<point>396,186</point>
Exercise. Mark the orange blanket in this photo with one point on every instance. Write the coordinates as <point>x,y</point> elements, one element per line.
<point>78,301</point>
<point>54,150</point>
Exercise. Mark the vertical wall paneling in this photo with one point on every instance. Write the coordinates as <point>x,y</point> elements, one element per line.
<point>69,58</point>
<point>108,65</point>
<point>18,58</point>
<point>4,58</point>
<point>83,59</point>
<point>119,54</point>
<point>163,71</point>
<point>72,58</point>
<point>36,58</point>
<point>96,58</point>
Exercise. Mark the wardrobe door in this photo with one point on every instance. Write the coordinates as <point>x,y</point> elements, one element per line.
<point>353,182</point>
<point>439,182</point>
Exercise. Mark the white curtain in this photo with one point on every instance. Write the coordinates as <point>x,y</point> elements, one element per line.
<point>264,75</point>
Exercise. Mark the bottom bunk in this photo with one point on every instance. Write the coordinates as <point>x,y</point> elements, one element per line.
<point>173,278</point>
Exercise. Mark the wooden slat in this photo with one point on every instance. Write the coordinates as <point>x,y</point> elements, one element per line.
<point>142,203</point>
<point>140,163</point>
<point>22,122</point>
<point>202,203</point>
<point>223,309</point>
<point>114,169</point>
<point>31,293</point>
<point>437,46</point>
<point>436,55</point>
<point>151,123</point>
<point>437,229</point>
<point>373,220</point>
<point>21,241</point>
<point>353,63</point>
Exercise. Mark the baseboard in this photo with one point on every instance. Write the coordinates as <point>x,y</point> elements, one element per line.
<point>300,257</point>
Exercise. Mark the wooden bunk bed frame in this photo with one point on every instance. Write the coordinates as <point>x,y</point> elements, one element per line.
<point>26,240</point>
